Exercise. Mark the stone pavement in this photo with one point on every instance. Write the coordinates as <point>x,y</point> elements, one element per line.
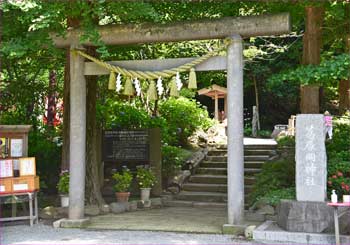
<point>178,219</point>
<point>44,234</point>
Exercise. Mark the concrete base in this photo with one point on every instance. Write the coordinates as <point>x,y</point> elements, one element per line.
<point>270,233</point>
<point>302,216</point>
<point>70,223</point>
<point>233,229</point>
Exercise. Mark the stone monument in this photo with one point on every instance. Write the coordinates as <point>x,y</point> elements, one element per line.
<point>310,212</point>
<point>310,157</point>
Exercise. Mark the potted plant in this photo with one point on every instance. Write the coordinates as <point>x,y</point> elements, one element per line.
<point>63,188</point>
<point>123,182</point>
<point>346,196</point>
<point>145,179</point>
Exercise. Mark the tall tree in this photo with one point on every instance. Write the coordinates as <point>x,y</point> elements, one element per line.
<point>344,85</point>
<point>312,43</point>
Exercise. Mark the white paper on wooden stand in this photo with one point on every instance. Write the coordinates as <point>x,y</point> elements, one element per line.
<point>16,147</point>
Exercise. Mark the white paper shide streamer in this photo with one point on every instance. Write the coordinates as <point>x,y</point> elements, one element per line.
<point>137,86</point>
<point>159,86</point>
<point>178,81</point>
<point>118,84</point>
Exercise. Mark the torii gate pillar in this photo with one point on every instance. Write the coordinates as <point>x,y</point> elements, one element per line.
<point>235,158</point>
<point>77,136</point>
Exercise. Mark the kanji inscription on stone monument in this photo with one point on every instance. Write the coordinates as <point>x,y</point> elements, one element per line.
<point>311,162</point>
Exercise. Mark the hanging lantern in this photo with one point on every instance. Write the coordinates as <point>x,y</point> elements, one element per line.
<point>111,83</point>
<point>129,89</point>
<point>174,88</point>
<point>152,92</point>
<point>192,80</point>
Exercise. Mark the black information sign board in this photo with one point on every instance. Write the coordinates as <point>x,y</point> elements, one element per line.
<point>126,145</point>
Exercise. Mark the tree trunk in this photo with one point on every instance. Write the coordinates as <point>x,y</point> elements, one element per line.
<point>71,22</point>
<point>344,85</point>
<point>257,102</point>
<point>51,99</point>
<point>93,193</point>
<point>312,43</point>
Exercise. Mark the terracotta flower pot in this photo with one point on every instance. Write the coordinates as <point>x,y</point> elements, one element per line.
<point>122,196</point>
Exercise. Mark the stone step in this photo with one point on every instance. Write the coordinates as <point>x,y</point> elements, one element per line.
<point>214,171</point>
<point>247,164</point>
<point>269,147</point>
<point>246,158</point>
<point>179,203</point>
<point>217,179</point>
<point>208,179</point>
<point>201,196</point>
<point>223,171</point>
<point>249,151</point>
<point>203,187</point>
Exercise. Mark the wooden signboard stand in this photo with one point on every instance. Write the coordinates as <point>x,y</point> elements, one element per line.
<point>17,172</point>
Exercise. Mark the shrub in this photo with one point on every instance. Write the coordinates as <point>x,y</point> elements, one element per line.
<point>273,197</point>
<point>275,175</point>
<point>123,180</point>
<point>63,183</point>
<point>145,177</point>
<point>183,116</point>
<point>338,154</point>
<point>172,160</point>
<point>47,153</point>
<point>286,141</point>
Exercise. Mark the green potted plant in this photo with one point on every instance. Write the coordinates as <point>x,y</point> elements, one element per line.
<point>63,188</point>
<point>122,186</point>
<point>146,180</point>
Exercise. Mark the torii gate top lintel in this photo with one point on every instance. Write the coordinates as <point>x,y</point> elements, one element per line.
<point>246,26</point>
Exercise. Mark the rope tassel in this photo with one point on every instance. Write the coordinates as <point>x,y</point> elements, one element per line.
<point>129,89</point>
<point>192,80</point>
<point>173,88</point>
<point>152,92</point>
<point>112,81</point>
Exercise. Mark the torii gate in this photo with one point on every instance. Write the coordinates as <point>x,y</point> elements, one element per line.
<point>231,28</point>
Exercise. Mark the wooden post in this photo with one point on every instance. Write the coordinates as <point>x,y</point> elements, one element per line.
<point>216,110</point>
<point>156,159</point>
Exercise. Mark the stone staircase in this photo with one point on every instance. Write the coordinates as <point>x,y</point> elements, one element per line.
<point>208,186</point>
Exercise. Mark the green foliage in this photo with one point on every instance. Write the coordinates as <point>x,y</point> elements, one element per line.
<point>338,154</point>
<point>264,133</point>
<point>172,159</point>
<point>47,151</point>
<point>184,116</point>
<point>274,176</point>
<point>145,177</point>
<point>63,183</point>
<point>273,197</point>
<point>328,72</point>
<point>288,141</point>
<point>123,180</point>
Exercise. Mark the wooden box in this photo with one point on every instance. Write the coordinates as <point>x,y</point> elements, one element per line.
<point>28,183</point>
<point>5,186</point>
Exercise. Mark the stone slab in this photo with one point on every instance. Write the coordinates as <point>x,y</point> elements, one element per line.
<point>298,216</point>
<point>310,156</point>
<point>270,233</point>
<point>233,229</point>
<point>72,223</point>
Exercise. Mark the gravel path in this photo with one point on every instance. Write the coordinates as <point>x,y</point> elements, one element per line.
<point>44,234</point>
